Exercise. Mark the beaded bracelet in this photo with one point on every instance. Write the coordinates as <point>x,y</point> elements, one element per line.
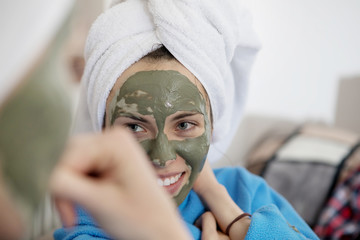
<point>235,220</point>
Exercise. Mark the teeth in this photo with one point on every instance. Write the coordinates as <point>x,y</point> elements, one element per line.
<point>177,177</point>
<point>168,181</point>
<point>160,182</point>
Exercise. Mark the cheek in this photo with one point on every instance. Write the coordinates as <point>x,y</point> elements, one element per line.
<point>193,151</point>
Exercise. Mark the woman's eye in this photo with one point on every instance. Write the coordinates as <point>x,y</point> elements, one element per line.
<point>185,125</point>
<point>135,128</point>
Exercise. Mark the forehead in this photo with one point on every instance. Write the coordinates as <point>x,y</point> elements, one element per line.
<point>143,65</point>
<point>168,90</point>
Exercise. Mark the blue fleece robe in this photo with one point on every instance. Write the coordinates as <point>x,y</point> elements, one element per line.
<point>272,216</point>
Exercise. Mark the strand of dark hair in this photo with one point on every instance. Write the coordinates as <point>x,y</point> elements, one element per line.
<point>161,53</point>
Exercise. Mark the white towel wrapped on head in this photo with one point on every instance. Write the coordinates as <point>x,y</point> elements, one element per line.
<point>213,39</point>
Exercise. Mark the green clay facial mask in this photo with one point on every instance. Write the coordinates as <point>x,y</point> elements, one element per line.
<point>160,94</point>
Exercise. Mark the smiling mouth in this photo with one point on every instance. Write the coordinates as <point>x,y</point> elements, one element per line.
<point>163,182</point>
<point>171,183</point>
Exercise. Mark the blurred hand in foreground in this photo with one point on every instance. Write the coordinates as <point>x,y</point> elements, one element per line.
<point>111,177</point>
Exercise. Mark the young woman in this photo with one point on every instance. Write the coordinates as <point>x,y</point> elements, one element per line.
<point>174,74</point>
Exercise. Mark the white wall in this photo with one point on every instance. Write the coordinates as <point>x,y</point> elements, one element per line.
<point>308,46</point>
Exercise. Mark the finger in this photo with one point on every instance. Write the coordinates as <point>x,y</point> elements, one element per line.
<point>83,153</point>
<point>113,156</point>
<point>66,211</point>
<point>75,187</point>
<point>222,236</point>
<point>115,152</point>
<point>198,223</point>
<point>130,158</point>
<point>208,226</point>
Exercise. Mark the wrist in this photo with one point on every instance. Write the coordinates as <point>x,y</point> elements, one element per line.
<point>239,228</point>
<point>221,205</point>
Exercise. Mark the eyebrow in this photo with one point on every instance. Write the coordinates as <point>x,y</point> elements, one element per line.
<point>184,115</point>
<point>136,118</point>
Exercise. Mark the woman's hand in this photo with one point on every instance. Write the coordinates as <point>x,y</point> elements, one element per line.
<point>208,226</point>
<point>110,176</point>
<point>216,198</point>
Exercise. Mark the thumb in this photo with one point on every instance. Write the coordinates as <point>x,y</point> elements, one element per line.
<point>70,187</point>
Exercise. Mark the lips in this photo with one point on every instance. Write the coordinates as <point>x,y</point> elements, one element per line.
<point>171,183</point>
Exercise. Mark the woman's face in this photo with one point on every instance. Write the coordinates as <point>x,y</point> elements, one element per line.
<point>163,104</point>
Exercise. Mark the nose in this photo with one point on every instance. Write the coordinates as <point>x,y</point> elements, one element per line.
<point>162,152</point>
